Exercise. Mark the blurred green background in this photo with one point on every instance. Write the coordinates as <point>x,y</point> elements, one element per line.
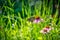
<point>14,15</point>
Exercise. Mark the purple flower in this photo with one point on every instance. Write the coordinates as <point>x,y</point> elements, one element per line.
<point>46,29</point>
<point>37,20</point>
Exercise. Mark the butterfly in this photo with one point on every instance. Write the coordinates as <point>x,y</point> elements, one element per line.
<point>31,19</point>
<point>34,19</point>
<point>1,28</point>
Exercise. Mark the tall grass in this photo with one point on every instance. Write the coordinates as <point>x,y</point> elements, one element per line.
<point>14,27</point>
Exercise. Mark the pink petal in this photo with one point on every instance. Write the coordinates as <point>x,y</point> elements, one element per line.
<point>36,21</point>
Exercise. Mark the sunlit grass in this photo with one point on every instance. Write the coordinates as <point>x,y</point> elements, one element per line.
<point>25,30</point>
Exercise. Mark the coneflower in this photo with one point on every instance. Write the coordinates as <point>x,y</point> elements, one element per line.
<point>46,29</point>
<point>35,19</point>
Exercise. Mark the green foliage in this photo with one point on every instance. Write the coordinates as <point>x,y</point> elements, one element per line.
<point>14,24</point>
